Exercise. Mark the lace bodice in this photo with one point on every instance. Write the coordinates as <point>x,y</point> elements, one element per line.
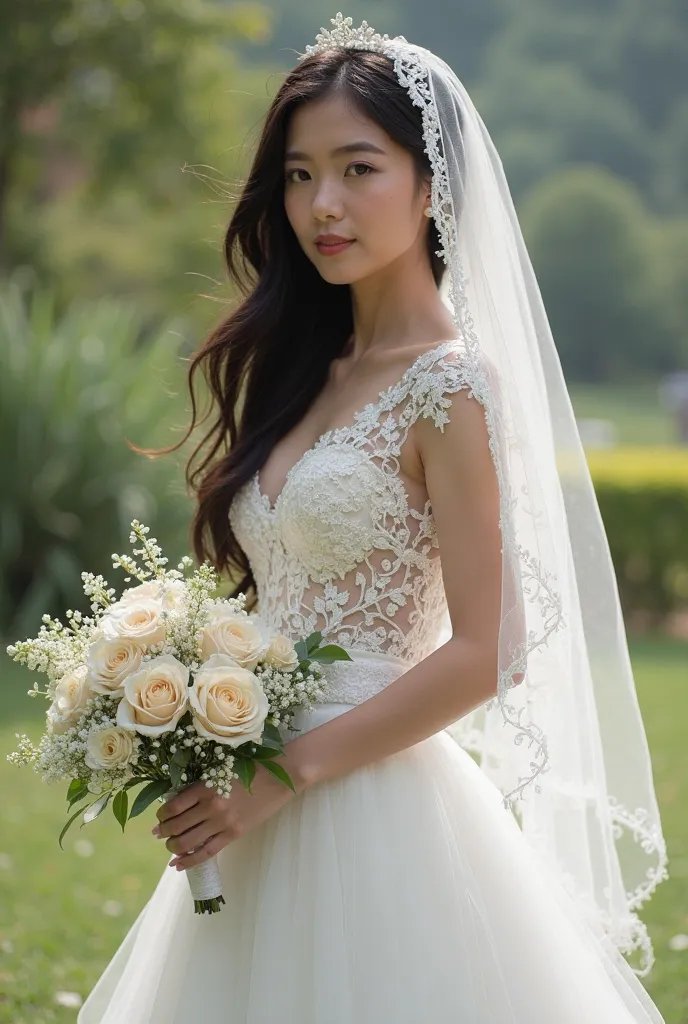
<point>341,550</point>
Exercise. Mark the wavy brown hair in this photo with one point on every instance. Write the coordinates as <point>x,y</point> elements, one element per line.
<point>268,360</point>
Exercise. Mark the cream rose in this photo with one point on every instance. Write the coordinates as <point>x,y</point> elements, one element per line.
<point>169,594</point>
<point>137,620</point>
<point>228,703</point>
<point>242,637</point>
<point>155,697</point>
<point>281,654</point>
<point>111,661</point>
<point>71,694</point>
<point>109,748</point>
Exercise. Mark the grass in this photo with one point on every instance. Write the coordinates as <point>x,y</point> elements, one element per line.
<point>634,409</point>
<point>63,914</point>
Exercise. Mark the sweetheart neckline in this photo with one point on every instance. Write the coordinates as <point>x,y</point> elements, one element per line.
<point>271,507</point>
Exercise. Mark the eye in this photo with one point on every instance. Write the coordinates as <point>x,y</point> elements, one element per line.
<point>366,168</point>
<point>294,170</point>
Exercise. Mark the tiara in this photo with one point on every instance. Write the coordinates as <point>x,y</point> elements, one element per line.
<point>344,37</point>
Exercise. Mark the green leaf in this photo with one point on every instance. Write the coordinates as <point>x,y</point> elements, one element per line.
<point>265,752</point>
<point>176,770</point>
<point>64,830</point>
<point>77,790</point>
<point>97,808</point>
<point>330,653</point>
<point>146,796</point>
<point>267,741</point>
<point>301,650</point>
<point>182,756</point>
<point>278,771</point>
<point>313,641</point>
<point>120,806</point>
<point>271,732</point>
<point>246,771</point>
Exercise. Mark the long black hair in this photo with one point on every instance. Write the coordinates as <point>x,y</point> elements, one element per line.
<point>268,360</point>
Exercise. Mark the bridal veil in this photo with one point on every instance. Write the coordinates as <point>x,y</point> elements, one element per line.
<point>563,739</point>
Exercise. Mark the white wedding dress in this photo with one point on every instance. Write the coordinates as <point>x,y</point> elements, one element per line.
<point>403,892</point>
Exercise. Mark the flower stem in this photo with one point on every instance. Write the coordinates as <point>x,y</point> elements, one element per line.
<point>208,906</point>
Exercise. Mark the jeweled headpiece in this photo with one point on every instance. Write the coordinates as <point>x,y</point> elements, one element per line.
<point>344,37</point>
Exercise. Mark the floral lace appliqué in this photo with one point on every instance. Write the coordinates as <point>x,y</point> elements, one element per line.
<point>342,550</point>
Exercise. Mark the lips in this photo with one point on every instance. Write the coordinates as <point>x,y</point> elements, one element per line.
<point>330,245</point>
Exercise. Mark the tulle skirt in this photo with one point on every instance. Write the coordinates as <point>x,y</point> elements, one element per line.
<point>403,892</point>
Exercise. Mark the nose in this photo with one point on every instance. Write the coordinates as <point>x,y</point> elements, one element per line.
<point>327,200</point>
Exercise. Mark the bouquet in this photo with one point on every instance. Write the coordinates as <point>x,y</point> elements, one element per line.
<point>162,688</point>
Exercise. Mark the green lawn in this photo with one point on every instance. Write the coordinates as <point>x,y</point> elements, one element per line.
<point>634,409</point>
<point>62,914</point>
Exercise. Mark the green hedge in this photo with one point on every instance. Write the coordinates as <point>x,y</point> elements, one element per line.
<point>643,497</point>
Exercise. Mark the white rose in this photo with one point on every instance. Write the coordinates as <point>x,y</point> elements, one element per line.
<point>139,620</point>
<point>71,694</point>
<point>155,697</point>
<point>109,748</point>
<point>281,654</point>
<point>169,594</point>
<point>242,637</point>
<point>228,703</point>
<point>111,661</point>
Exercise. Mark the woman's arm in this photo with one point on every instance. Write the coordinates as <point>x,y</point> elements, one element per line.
<point>461,674</point>
<point>457,677</point>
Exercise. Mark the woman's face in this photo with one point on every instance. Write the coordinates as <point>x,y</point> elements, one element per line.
<point>344,176</point>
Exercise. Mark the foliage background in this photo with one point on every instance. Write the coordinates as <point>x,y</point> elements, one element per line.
<point>125,130</point>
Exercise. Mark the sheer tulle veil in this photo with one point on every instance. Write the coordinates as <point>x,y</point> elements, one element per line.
<point>566,745</point>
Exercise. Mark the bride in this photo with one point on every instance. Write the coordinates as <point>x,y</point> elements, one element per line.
<point>395,463</point>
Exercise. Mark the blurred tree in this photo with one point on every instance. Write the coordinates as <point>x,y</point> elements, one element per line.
<point>589,237</point>
<point>457,30</point>
<point>668,261</point>
<point>633,57</point>
<point>547,115</point>
<point>101,89</point>
<point>165,253</point>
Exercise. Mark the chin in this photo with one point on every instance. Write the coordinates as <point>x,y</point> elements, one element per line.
<point>337,275</point>
<point>342,274</point>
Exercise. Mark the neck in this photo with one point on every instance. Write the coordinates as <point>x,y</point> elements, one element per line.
<point>398,307</point>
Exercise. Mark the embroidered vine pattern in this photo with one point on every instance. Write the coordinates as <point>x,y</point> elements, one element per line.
<point>348,490</point>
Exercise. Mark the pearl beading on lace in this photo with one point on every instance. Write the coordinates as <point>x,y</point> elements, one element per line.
<point>344,37</point>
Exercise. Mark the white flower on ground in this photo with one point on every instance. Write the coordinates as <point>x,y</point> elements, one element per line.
<point>71,694</point>
<point>228,703</point>
<point>111,661</point>
<point>72,1000</point>
<point>241,637</point>
<point>140,621</point>
<point>155,697</point>
<point>281,654</point>
<point>109,748</point>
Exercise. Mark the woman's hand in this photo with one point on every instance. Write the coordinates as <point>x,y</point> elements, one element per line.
<point>199,819</point>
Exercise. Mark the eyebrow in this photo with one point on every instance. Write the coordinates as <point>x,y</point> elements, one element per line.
<point>350,147</point>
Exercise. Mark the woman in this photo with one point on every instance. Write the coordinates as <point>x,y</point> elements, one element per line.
<point>395,462</point>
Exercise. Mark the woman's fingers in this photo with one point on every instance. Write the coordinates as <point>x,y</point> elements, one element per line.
<point>191,840</point>
<point>182,801</point>
<point>213,845</point>
<point>180,823</point>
